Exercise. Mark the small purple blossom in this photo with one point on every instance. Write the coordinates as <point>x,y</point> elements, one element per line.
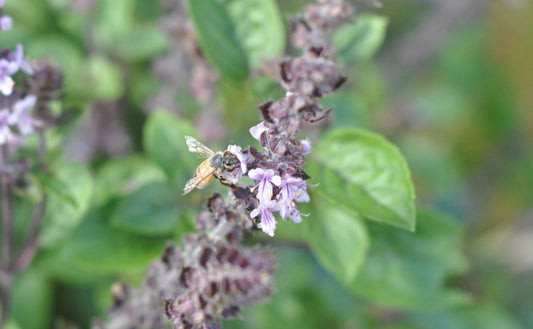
<point>243,158</point>
<point>4,128</point>
<point>268,221</point>
<point>292,190</point>
<point>257,130</point>
<point>20,116</point>
<point>306,144</point>
<point>266,178</point>
<point>7,68</point>
<point>18,57</point>
<point>6,23</point>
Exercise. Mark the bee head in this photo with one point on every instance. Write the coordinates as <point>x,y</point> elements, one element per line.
<point>230,160</point>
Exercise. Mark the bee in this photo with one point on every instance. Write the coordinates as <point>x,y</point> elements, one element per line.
<point>217,163</point>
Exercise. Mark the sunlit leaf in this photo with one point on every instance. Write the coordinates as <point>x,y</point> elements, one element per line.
<point>360,41</point>
<point>259,28</point>
<point>364,173</point>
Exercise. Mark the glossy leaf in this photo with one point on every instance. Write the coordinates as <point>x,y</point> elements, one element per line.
<point>360,41</point>
<point>62,213</point>
<point>218,39</point>
<point>338,238</point>
<point>149,211</point>
<point>259,28</point>
<point>364,173</point>
<point>407,270</point>
<point>164,140</point>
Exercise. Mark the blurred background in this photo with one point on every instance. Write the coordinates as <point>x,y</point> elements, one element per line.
<point>451,86</point>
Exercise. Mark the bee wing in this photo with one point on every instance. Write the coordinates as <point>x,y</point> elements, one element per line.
<point>196,147</point>
<point>196,180</point>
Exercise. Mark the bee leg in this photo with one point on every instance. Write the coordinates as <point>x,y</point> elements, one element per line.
<point>225,182</point>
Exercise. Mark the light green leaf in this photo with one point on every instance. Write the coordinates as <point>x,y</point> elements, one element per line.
<point>32,301</point>
<point>62,213</point>
<point>407,270</point>
<point>149,211</point>
<point>259,28</point>
<point>164,140</point>
<point>123,176</point>
<point>104,77</point>
<point>217,37</point>
<point>141,43</point>
<point>337,238</point>
<point>364,173</point>
<point>360,41</point>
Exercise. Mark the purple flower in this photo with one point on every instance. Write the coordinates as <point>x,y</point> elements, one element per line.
<point>20,116</point>
<point>257,130</point>
<point>2,3</point>
<point>237,173</point>
<point>268,221</point>
<point>264,187</point>
<point>7,68</point>
<point>292,190</point>
<point>18,57</point>
<point>4,128</point>
<point>6,23</point>
<point>306,144</point>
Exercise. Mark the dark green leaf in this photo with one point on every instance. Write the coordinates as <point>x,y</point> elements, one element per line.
<point>150,211</point>
<point>217,37</point>
<point>95,247</point>
<point>337,238</point>
<point>259,28</point>
<point>364,173</point>
<point>407,270</point>
<point>164,140</point>
<point>62,213</point>
<point>32,301</point>
<point>125,175</point>
<point>360,41</point>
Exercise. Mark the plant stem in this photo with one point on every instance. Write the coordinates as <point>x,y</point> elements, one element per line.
<point>7,211</point>
<point>6,185</point>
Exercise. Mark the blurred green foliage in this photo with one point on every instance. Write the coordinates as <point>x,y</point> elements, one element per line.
<point>462,120</point>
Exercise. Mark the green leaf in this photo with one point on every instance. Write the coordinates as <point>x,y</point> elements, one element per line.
<point>407,270</point>
<point>150,211</point>
<point>63,213</point>
<point>114,21</point>
<point>337,238</point>
<point>123,176</point>
<point>95,247</point>
<point>360,41</point>
<point>164,140</point>
<point>217,37</point>
<point>32,301</point>
<point>141,43</point>
<point>259,28</point>
<point>104,79</point>
<point>364,173</point>
<point>479,316</point>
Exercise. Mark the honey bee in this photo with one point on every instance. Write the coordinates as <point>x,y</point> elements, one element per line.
<point>216,164</point>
